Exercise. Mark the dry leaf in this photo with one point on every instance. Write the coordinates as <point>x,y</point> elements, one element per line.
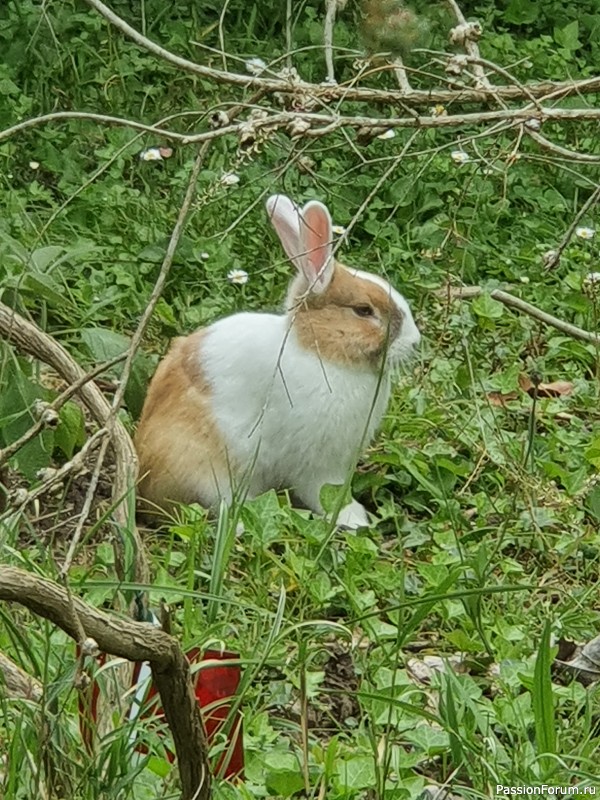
<point>500,400</point>
<point>554,389</point>
<point>421,670</point>
<point>583,661</point>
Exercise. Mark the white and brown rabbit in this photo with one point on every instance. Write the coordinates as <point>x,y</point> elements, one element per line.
<point>262,401</point>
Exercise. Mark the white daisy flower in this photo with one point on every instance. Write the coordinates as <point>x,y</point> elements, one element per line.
<point>237,276</point>
<point>533,124</point>
<point>255,66</point>
<point>438,111</point>
<point>151,154</point>
<point>229,179</point>
<point>585,233</point>
<point>460,157</point>
<point>389,134</point>
<point>34,165</point>
<point>339,230</point>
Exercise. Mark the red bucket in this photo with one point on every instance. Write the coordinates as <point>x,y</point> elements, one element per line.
<point>215,687</point>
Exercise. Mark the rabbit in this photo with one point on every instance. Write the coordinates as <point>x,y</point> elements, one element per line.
<point>260,401</point>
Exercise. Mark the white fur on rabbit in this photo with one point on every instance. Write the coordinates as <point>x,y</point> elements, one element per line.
<point>262,401</point>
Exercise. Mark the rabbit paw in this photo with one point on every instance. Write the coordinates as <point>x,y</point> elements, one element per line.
<point>353,516</point>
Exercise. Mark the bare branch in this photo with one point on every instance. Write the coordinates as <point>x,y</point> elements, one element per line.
<point>18,683</point>
<point>554,260</point>
<point>135,641</point>
<point>104,119</point>
<point>326,92</point>
<point>55,405</point>
<point>162,276</point>
<point>30,339</point>
<point>470,45</point>
<point>511,301</point>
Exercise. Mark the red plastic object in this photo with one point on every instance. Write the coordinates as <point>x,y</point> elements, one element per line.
<point>215,687</point>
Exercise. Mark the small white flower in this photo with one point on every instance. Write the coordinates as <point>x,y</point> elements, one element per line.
<point>533,124</point>
<point>34,165</point>
<point>204,256</point>
<point>229,179</point>
<point>438,111</point>
<point>339,230</point>
<point>151,154</point>
<point>389,134</point>
<point>255,66</point>
<point>238,276</point>
<point>591,278</point>
<point>460,157</point>
<point>585,233</point>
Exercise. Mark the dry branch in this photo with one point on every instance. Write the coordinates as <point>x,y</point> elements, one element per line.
<point>468,292</point>
<point>135,641</point>
<point>18,683</point>
<point>343,92</point>
<point>31,340</point>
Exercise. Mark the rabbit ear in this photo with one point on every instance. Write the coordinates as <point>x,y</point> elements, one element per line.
<point>283,214</point>
<point>316,236</point>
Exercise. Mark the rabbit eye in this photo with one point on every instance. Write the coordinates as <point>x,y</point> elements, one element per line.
<point>363,311</point>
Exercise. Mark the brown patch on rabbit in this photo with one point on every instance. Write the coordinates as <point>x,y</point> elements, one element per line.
<point>350,323</point>
<point>177,416</point>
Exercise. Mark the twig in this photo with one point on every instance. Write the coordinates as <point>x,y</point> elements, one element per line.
<point>84,513</point>
<point>288,33</point>
<point>103,119</point>
<point>331,122</point>
<point>417,97</point>
<point>554,260</point>
<point>162,276</point>
<point>471,47</point>
<point>332,7</point>
<point>30,339</point>
<point>76,464</point>
<point>401,76</point>
<point>18,683</point>
<point>55,405</point>
<point>571,155</point>
<point>135,641</point>
<point>520,305</point>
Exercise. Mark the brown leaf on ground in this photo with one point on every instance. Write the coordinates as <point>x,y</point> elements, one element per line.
<point>584,661</point>
<point>554,389</point>
<point>500,400</point>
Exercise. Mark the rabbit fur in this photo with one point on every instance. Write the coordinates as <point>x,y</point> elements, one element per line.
<point>260,401</point>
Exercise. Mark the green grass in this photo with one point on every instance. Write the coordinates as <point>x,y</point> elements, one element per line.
<point>488,546</point>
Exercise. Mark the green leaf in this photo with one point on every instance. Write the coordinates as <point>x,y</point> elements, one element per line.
<point>333,497</point>
<point>104,344</point>
<point>357,773</point>
<point>521,12</point>
<point>43,256</point>
<point>70,432</point>
<point>592,453</point>
<point>593,502</point>
<point>542,699</point>
<point>284,783</point>
<point>485,306</point>
<point>43,287</point>
<point>568,37</point>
